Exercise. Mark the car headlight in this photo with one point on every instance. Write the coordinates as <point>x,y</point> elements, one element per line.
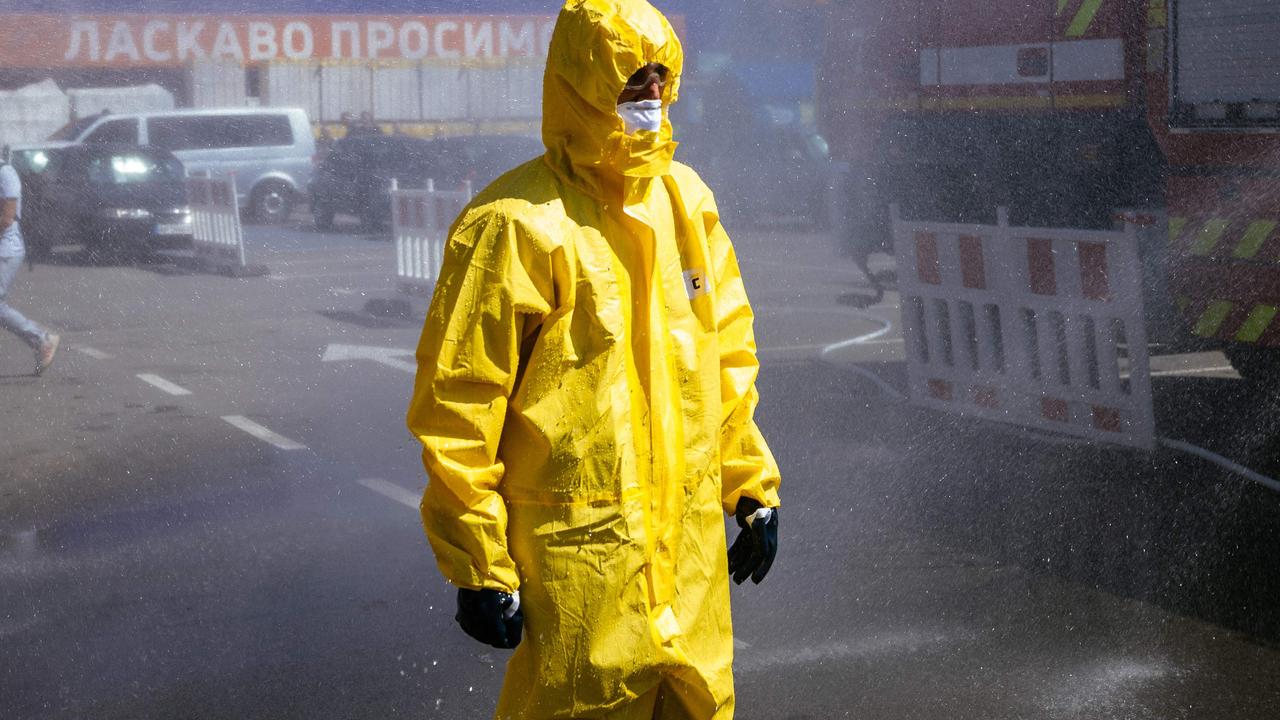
<point>127,213</point>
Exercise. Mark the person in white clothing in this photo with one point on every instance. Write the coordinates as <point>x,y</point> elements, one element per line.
<point>12,252</point>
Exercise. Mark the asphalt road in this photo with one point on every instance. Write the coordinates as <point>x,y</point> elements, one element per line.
<point>207,510</point>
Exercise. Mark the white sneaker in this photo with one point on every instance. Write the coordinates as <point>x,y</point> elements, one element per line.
<point>46,351</point>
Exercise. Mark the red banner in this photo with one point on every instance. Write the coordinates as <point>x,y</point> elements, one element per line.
<point>40,41</point>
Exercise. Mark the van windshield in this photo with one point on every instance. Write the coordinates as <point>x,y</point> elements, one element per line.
<point>73,129</point>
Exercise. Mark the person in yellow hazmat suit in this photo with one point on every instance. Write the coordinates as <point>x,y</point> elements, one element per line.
<point>585,399</point>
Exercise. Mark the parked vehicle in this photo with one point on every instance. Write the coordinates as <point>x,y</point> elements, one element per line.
<point>108,198</point>
<point>355,177</point>
<point>28,162</point>
<point>269,150</point>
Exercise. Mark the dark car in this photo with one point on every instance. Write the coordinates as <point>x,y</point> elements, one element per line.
<point>355,176</point>
<point>107,198</point>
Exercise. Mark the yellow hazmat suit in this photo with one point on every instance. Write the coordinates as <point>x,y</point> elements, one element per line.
<point>585,395</point>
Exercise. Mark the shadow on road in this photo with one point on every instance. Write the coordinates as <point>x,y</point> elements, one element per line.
<point>1163,528</point>
<point>155,260</point>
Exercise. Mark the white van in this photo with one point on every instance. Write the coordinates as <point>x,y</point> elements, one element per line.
<point>269,150</point>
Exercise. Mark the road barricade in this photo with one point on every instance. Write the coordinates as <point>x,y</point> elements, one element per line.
<point>217,236</point>
<point>1040,327</point>
<point>420,221</point>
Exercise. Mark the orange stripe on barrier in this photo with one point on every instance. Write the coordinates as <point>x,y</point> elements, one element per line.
<point>1055,409</point>
<point>1093,271</point>
<point>1106,419</point>
<point>1040,266</point>
<point>927,267</point>
<point>973,271</point>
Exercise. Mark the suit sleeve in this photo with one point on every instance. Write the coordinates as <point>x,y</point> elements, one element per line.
<point>484,304</point>
<point>747,466</point>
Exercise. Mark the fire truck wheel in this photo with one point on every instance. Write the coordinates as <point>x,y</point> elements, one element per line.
<point>1260,365</point>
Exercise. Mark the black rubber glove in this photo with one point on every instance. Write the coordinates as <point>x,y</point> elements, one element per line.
<point>753,552</point>
<point>483,614</point>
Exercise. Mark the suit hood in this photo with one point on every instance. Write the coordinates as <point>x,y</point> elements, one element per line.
<point>596,46</point>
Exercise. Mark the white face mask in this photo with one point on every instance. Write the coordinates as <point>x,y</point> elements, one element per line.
<point>641,115</point>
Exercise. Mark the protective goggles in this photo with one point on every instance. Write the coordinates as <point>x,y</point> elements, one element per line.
<point>643,78</point>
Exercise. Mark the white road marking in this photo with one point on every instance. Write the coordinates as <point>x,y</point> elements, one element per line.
<point>766,351</point>
<point>1194,371</point>
<point>392,491</point>
<point>886,327</point>
<point>165,385</point>
<point>322,276</point>
<point>94,353</point>
<point>243,423</point>
<point>819,346</point>
<point>382,355</point>
<point>740,644</point>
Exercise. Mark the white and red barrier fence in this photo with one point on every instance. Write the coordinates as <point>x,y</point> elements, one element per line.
<point>1041,327</point>
<point>215,220</point>
<point>420,221</point>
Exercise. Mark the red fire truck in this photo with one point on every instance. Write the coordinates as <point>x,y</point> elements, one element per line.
<point>1070,112</point>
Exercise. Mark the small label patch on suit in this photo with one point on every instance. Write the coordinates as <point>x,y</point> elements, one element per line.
<point>696,283</point>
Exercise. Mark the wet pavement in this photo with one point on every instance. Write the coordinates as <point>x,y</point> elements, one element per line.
<point>159,559</point>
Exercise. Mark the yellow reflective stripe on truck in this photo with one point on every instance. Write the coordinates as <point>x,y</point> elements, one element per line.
<point>1254,238</point>
<point>1084,18</point>
<point>1157,14</point>
<point>1259,320</point>
<point>1212,319</point>
<point>1208,237</point>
